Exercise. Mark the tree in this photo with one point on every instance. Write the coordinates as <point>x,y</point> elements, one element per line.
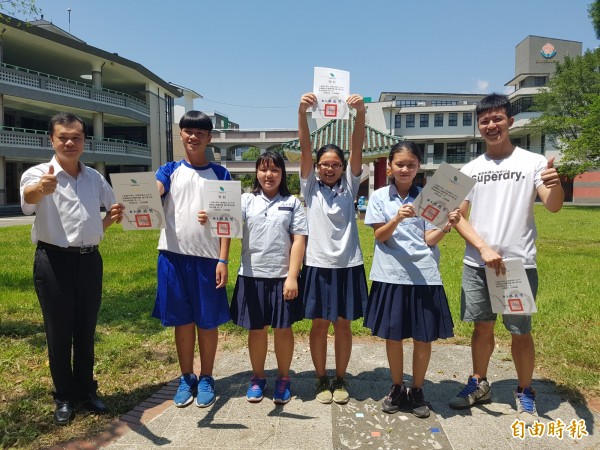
<point>570,107</point>
<point>293,182</point>
<point>251,154</point>
<point>14,8</point>
<point>594,14</point>
<point>247,182</point>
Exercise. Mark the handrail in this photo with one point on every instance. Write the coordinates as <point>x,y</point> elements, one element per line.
<point>90,138</point>
<point>69,81</point>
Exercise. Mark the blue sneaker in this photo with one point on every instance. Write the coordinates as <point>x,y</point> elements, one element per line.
<point>282,393</point>
<point>254,394</point>
<point>526,405</point>
<point>188,384</point>
<point>206,391</point>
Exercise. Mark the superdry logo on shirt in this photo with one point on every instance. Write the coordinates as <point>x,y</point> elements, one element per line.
<point>502,175</point>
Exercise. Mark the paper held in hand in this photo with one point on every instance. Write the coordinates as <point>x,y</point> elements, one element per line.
<point>444,192</point>
<point>139,195</point>
<point>332,88</point>
<point>510,293</point>
<point>222,201</point>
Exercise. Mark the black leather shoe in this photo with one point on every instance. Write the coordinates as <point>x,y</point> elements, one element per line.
<point>63,413</point>
<point>93,403</point>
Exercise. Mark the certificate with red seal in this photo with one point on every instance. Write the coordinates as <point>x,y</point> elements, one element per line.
<point>444,192</point>
<point>138,193</point>
<point>222,201</point>
<point>332,88</point>
<point>510,293</point>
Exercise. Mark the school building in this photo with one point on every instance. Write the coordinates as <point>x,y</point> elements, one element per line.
<point>444,125</point>
<point>45,70</point>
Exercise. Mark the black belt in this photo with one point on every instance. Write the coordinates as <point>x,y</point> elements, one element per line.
<point>81,250</point>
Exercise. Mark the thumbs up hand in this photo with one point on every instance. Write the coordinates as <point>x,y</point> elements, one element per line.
<point>48,182</point>
<point>550,176</point>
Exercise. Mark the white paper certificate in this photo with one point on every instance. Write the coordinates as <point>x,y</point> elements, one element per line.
<point>444,192</point>
<point>139,195</point>
<point>510,293</point>
<point>332,88</point>
<point>222,201</point>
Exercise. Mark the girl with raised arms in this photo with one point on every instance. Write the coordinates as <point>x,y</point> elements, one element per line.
<point>335,288</point>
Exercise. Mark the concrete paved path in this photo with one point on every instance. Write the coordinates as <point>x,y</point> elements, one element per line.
<point>304,423</point>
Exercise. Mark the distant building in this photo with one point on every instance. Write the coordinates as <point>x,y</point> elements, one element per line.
<point>45,70</point>
<point>445,127</point>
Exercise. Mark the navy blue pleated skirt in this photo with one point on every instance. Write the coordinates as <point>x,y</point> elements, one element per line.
<point>258,302</point>
<point>333,293</point>
<point>401,311</point>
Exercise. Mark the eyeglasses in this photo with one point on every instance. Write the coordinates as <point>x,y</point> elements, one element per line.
<point>325,166</point>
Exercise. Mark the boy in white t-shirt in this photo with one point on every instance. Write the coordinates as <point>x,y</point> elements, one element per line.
<point>501,225</point>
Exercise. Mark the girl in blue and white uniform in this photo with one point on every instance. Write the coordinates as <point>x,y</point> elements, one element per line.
<point>266,290</point>
<point>335,287</point>
<point>407,298</point>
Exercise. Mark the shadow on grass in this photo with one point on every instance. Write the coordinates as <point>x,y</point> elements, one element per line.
<point>28,419</point>
<point>22,329</point>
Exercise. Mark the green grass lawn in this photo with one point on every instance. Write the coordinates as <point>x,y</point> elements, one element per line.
<point>135,355</point>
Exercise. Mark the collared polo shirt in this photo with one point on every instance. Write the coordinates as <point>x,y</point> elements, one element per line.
<point>405,258</point>
<point>70,217</point>
<point>333,234</point>
<point>267,240</point>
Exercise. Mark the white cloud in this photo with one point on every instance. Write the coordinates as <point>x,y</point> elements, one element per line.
<point>482,85</point>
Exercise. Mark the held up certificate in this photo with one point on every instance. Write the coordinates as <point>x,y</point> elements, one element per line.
<point>139,195</point>
<point>510,293</point>
<point>444,191</point>
<point>222,201</point>
<point>332,88</point>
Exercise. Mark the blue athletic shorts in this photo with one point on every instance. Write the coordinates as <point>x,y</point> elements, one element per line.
<point>186,292</point>
<point>476,306</point>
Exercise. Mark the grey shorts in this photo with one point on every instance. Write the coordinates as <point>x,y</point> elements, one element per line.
<point>475,304</point>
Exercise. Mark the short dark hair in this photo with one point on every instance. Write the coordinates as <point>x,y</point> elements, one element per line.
<point>195,119</point>
<point>277,160</point>
<point>332,148</point>
<point>493,101</point>
<point>64,119</point>
<point>408,146</point>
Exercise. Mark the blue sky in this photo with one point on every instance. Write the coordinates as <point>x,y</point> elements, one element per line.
<point>260,54</point>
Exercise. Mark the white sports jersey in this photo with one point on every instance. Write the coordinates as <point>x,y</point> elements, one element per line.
<point>181,203</point>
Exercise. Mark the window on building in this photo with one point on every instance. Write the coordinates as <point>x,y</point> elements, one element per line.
<point>467,119</point>
<point>452,119</point>
<point>438,120</point>
<point>406,103</point>
<point>539,81</point>
<point>456,152</point>
<point>480,148</point>
<point>410,121</point>
<point>398,121</point>
<point>423,151</point>
<point>444,102</point>
<point>543,144</point>
<point>523,104</point>
<point>424,120</point>
<point>438,153</point>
